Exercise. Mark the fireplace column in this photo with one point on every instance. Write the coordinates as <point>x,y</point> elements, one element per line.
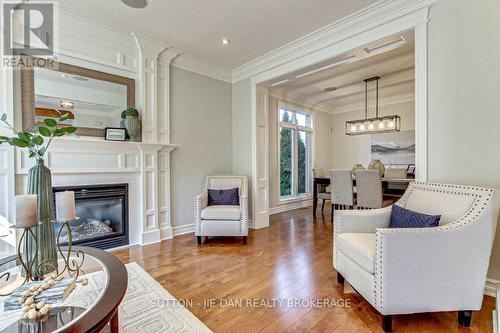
<point>155,192</point>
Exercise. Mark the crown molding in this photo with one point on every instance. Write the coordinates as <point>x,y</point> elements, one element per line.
<point>168,55</point>
<point>198,66</point>
<point>356,23</point>
<point>84,28</point>
<point>148,47</point>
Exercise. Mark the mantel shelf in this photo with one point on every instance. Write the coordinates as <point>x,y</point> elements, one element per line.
<point>146,146</point>
<point>78,143</point>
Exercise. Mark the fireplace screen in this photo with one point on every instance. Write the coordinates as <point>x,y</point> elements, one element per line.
<point>102,212</point>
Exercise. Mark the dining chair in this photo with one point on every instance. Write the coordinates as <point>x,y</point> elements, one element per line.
<point>369,193</point>
<point>323,190</point>
<point>342,192</point>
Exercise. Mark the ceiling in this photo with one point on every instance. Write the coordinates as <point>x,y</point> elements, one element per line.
<point>395,65</point>
<point>195,27</point>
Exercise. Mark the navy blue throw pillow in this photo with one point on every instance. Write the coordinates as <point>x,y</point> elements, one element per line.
<point>405,218</point>
<point>224,197</point>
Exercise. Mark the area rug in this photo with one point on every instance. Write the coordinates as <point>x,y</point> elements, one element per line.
<point>147,306</point>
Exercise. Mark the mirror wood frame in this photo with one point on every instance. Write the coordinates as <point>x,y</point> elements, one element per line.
<point>28,92</point>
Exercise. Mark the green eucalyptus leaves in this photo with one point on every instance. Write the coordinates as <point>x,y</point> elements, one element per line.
<point>35,142</point>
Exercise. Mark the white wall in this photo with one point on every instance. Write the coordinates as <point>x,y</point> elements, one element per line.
<point>201,118</point>
<point>242,133</point>
<point>322,149</point>
<point>464,98</point>
<point>242,136</point>
<point>349,150</point>
<point>323,133</point>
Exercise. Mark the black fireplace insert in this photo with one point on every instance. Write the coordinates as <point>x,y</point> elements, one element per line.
<point>102,212</point>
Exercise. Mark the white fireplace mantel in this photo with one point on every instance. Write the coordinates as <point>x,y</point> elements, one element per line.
<point>90,161</point>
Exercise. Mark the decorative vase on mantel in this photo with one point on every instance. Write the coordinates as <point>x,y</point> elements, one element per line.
<point>133,126</point>
<point>40,183</point>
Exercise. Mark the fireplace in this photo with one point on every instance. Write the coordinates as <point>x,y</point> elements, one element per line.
<point>103,215</point>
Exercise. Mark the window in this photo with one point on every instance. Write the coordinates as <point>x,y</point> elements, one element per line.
<point>295,153</point>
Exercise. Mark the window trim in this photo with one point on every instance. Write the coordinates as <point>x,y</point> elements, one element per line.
<point>295,128</point>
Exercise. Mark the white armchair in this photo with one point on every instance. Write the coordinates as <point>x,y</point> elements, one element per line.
<point>222,220</point>
<point>414,270</point>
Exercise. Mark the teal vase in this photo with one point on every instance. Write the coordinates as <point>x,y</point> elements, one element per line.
<point>40,183</point>
<point>133,126</point>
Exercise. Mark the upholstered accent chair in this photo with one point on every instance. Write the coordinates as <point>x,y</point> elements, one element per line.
<point>222,220</point>
<point>415,270</point>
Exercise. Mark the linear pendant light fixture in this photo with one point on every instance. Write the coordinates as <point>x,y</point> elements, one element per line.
<point>373,125</point>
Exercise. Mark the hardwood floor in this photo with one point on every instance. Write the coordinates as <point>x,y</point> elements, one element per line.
<point>292,259</point>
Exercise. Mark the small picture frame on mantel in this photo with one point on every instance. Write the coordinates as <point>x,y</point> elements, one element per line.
<point>115,134</point>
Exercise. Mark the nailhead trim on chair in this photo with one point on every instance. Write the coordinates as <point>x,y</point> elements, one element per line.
<point>481,200</point>
<point>244,215</point>
<point>200,202</point>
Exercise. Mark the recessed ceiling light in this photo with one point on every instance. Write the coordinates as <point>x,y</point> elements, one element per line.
<point>330,89</point>
<point>225,41</point>
<point>136,3</point>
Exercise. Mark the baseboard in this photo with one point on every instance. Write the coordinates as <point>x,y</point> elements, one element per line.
<point>290,206</point>
<point>123,247</point>
<point>491,287</point>
<point>151,237</point>
<point>183,229</point>
<point>166,232</point>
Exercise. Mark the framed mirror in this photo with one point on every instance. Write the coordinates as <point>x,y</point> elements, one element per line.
<point>93,100</point>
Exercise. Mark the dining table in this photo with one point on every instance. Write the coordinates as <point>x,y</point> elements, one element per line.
<point>394,187</point>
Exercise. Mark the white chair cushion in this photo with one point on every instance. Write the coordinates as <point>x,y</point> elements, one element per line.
<point>221,212</point>
<point>360,248</point>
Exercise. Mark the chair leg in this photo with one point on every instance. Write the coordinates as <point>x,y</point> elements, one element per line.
<point>331,218</point>
<point>244,240</point>
<point>340,278</point>
<point>464,318</point>
<point>387,323</point>
<point>199,239</point>
<point>322,206</point>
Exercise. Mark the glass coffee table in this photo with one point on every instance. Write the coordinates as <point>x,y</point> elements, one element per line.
<point>88,308</point>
